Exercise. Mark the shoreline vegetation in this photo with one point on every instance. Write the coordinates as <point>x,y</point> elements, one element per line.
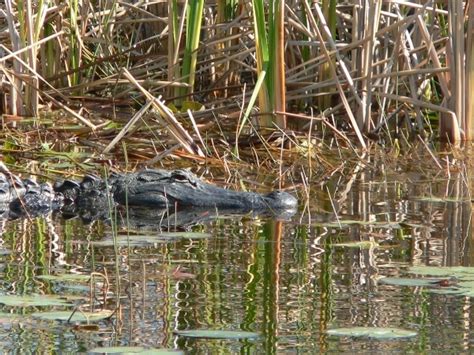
<point>210,79</point>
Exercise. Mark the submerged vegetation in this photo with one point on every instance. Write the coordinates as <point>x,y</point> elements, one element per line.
<point>212,71</point>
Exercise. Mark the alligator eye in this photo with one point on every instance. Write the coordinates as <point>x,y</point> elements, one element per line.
<point>185,177</point>
<point>180,176</point>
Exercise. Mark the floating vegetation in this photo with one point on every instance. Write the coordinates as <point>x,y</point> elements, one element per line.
<point>441,199</point>
<point>65,277</point>
<point>257,94</point>
<point>350,222</point>
<point>76,317</point>
<point>459,280</point>
<point>134,350</point>
<point>460,272</point>
<point>148,239</point>
<point>361,244</point>
<point>372,332</point>
<point>404,281</point>
<point>33,300</point>
<point>216,334</point>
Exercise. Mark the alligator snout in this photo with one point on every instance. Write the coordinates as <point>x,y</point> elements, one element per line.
<point>282,200</point>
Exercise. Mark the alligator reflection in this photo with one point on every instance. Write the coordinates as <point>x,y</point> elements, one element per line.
<point>186,217</point>
<point>151,218</point>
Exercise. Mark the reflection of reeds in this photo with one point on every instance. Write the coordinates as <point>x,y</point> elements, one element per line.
<point>364,67</point>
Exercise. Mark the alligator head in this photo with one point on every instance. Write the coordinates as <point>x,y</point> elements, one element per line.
<point>181,188</point>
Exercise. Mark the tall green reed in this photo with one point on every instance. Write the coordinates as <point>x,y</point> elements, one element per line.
<point>269,49</point>
<point>194,11</point>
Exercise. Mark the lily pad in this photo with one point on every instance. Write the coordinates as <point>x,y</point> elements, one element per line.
<point>361,245</point>
<point>440,199</point>
<point>452,291</point>
<point>33,300</point>
<point>147,239</point>
<point>134,350</point>
<point>460,272</point>
<point>457,280</point>
<point>351,222</point>
<point>405,281</point>
<point>372,332</point>
<point>65,277</point>
<point>77,317</point>
<point>75,288</point>
<point>216,334</point>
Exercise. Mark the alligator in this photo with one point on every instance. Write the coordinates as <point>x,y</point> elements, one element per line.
<point>146,196</point>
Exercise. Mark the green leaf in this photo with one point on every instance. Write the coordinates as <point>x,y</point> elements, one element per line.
<point>33,300</point>
<point>77,317</point>
<point>404,281</point>
<point>149,239</point>
<point>133,350</point>
<point>460,272</point>
<point>372,332</point>
<point>362,245</point>
<point>216,334</point>
<point>65,277</point>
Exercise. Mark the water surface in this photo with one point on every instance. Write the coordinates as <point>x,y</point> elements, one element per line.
<point>287,281</point>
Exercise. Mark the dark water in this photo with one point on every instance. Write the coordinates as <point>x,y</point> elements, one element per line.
<point>287,281</point>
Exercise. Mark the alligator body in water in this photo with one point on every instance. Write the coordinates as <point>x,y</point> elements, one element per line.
<point>147,194</point>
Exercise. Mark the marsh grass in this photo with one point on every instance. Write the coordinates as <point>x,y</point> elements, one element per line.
<point>368,71</point>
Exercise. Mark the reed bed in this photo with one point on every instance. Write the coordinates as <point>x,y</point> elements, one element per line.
<point>352,70</point>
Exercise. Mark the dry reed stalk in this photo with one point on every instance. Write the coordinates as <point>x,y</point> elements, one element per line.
<point>469,110</point>
<point>334,73</point>
<point>456,29</point>
<point>45,94</point>
<point>370,27</point>
<point>433,157</point>
<point>127,127</point>
<point>384,54</point>
<point>167,119</point>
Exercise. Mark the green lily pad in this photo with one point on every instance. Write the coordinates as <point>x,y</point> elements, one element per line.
<point>452,291</point>
<point>460,272</point>
<point>351,222</point>
<point>404,281</point>
<point>76,288</point>
<point>147,239</point>
<point>361,245</point>
<point>65,277</point>
<point>33,300</point>
<point>372,332</point>
<point>440,199</point>
<point>134,350</point>
<point>463,276</point>
<point>77,317</point>
<point>216,334</point>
